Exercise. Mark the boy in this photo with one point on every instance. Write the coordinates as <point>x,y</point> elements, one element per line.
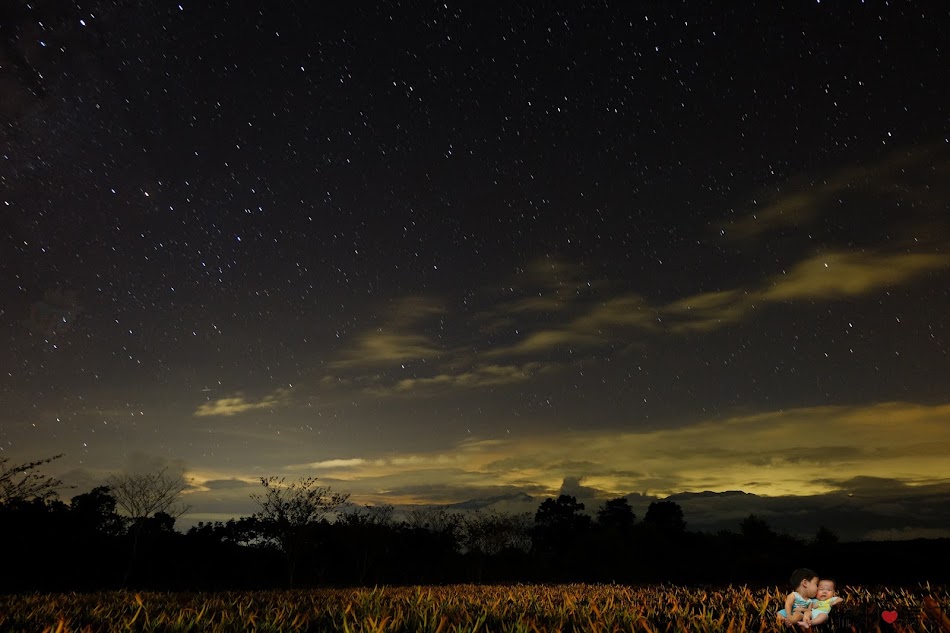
<point>804,583</point>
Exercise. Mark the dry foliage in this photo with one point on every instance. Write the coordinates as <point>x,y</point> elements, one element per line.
<point>490,608</point>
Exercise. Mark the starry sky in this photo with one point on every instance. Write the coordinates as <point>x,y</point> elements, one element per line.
<point>433,252</point>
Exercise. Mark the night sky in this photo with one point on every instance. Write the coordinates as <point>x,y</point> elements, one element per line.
<point>437,252</point>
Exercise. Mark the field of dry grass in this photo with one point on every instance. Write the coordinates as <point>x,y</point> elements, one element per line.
<point>488,608</point>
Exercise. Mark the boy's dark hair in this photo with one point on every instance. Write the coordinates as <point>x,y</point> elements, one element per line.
<point>799,575</point>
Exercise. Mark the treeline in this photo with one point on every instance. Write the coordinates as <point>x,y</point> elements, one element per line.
<point>305,535</point>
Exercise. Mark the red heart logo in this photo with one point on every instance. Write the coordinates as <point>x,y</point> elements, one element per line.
<point>889,616</point>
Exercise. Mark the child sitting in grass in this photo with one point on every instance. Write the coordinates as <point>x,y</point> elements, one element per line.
<point>804,584</point>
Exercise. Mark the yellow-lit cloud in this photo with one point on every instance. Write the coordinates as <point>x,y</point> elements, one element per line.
<point>793,452</point>
<point>848,273</point>
<point>202,480</point>
<point>553,305</point>
<point>394,342</point>
<point>621,311</point>
<point>239,404</point>
<point>544,340</point>
<point>387,348</point>
<point>830,276</point>
<point>477,377</point>
<point>595,327</point>
<point>336,463</point>
<point>833,275</point>
<point>706,311</point>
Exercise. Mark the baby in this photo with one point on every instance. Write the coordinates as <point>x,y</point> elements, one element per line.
<point>821,605</point>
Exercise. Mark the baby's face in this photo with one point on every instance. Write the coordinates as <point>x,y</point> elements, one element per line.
<point>826,589</point>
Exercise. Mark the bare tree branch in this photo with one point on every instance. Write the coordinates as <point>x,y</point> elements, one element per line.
<point>296,504</point>
<point>142,495</point>
<point>18,482</point>
<point>289,510</point>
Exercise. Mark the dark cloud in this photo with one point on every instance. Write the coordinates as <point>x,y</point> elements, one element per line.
<point>882,506</point>
<point>573,486</point>
<point>229,484</point>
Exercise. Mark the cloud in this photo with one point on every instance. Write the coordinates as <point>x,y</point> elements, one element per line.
<point>790,210</point>
<point>55,314</point>
<point>833,275</point>
<point>533,305</point>
<point>333,464</point>
<point>830,276</point>
<point>230,487</point>
<point>628,310</point>
<point>905,173</point>
<point>552,271</point>
<point>706,311</point>
<point>217,495</point>
<point>574,487</point>
<point>595,326</point>
<point>476,378</point>
<point>553,305</point>
<point>907,533</point>
<point>238,404</point>
<point>412,309</point>
<point>792,452</point>
<point>546,287</point>
<point>227,484</point>
<point>333,382</point>
<point>799,468</point>
<point>847,274</point>
<point>544,340</point>
<point>393,343</point>
<point>379,348</point>
<point>899,511</point>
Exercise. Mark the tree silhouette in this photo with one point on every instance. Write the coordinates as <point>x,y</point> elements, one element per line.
<point>616,514</point>
<point>159,523</point>
<point>490,534</point>
<point>558,524</point>
<point>665,516</point>
<point>437,520</point>
<point>365,538</point>
<point>613,552</point>
<point>432,533</point>
<point>19,482</point>
<point>824,537</point>
<point>94,511</point>
<point>290,511</point>
<point>143,496</point>
<point>756,530</point>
